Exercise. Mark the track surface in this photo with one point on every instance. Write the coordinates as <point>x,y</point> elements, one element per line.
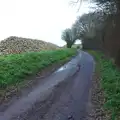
<point>62,96</point>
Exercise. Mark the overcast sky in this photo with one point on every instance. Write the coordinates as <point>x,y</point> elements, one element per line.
<point>39,19</point>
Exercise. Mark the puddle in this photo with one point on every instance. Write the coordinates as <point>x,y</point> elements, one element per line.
<point>62,68</point>
<point>69,65</point>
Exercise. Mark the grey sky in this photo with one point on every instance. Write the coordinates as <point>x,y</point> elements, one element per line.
<point>40,19</point>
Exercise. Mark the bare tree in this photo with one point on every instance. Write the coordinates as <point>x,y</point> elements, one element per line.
<point>90,27</point>
<point>68,37</point>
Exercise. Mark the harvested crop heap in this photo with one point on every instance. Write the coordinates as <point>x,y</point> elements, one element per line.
<point>18,45</point>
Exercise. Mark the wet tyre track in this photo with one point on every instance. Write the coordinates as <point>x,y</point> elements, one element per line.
<point>66,100</point>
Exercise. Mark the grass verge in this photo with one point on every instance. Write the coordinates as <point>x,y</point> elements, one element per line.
<point>110,82</point>
<point>16,67</point>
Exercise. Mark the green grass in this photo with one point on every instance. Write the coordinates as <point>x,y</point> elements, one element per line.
<point>74,46</point>
<point>110,82</point>
<point>16,67</point>
<point>77,45</point>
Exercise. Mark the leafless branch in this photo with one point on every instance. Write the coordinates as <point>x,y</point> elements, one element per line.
<point>74,3</point>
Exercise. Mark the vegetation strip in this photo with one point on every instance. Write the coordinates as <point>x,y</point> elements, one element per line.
<point>15,68</point>
<point>110,82</point>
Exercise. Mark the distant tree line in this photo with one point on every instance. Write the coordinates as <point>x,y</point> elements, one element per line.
<point>99,30</point>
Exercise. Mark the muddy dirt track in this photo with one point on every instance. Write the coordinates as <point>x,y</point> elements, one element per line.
<point>64,95</point>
